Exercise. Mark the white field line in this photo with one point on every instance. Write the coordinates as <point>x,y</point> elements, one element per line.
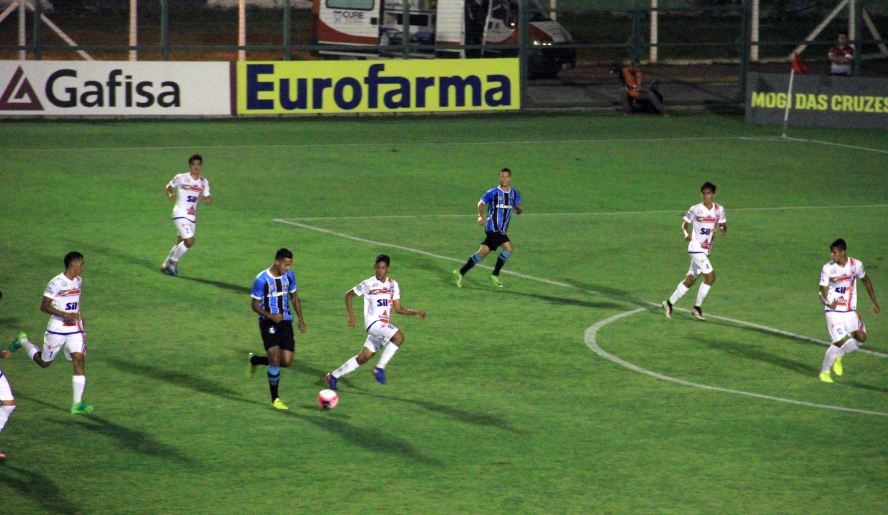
<point>553,283</point>
<point>590,213</point>
<point>591,342</point>
<point>448,144</point>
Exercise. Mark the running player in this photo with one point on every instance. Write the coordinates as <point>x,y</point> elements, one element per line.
<point>273,291</point>
<point>838,293</point>
<point>501,202</point>
<point>382,296</point>
<point>706,219</point>
<point>7,401</point>
<point>190,188</point>
<point>65,331</point>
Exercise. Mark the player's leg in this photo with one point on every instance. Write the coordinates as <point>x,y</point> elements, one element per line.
<point>476,258</point>
<point>395,339</point>
<point>682,288</point>
<point>78,382</point>
<point>501,259</point>
<point>52,343</point>
<point>274,371</point>
<point>839,336</point>
<point>371,347</point>
<point>855,336</point>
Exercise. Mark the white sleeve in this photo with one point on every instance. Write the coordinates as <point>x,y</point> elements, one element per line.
<point>206,192</point>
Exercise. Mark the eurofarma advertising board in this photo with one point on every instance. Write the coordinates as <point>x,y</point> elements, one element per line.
<point>380,86</point>
<point>818,100</point>
<point>83,88</point>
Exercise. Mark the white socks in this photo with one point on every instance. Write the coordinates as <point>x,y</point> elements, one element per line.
<point>850,346</point>
<point>30,348</point>
<point>349,366</point>
<point>832,353</point>
<point>679,293</point>
<point>79,385</point>
<point>701,293</point>
<point>387,354</point>
<point>5,413</point>
<point>178,251</point>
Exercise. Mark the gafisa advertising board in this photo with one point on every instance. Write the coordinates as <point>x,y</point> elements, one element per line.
<point>380,86</point>
<point>818,100</point>
<point>109,88</point>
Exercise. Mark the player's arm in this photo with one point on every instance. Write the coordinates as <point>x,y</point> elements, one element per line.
<point>723,227</point>
<point>824,291</point>
<point>69,316</point>
<point>5,354</point>
<point>519,208</point>
<point>481,219</point>
<point>684,229</point>
<point>169,191</point>
<point>257,307</point>
<point>349,295</point>
<point>297,307</point>
<point>401,310</point>
<point>208,199</point>
<point>872,293</point>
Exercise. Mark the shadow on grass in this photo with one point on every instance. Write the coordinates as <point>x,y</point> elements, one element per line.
<point>880,389</point>
<point>478,419</point>
<point>772,334</point>
<point>565,301</point>
<point>38,488</point>
<point>181,379</point>
<point>92,247</point>
<point>128,438</point>
<point>372,439</point>
<point>234,288</point>
<point>747,352</point>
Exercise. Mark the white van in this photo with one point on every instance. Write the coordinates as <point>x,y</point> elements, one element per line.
<point>375,28</point>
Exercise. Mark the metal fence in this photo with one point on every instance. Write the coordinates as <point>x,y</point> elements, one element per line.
<point>699,52</point>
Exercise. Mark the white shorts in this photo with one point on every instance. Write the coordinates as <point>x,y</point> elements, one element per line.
<point>185,227</point>
<point>699,264</point>
<point>5,389</point>
<point>379,335</point>
<point>842,323</point>
<point>53,343</point>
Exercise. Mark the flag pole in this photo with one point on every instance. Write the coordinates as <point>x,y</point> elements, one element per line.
<point>788,101</point>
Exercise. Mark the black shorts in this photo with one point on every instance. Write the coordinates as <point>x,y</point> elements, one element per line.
<point>495,239</point>
<point>278,335</point>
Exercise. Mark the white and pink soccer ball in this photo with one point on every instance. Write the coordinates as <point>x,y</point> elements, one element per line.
<point>328,399</point>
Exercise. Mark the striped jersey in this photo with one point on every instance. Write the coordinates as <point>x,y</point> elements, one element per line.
<point>189,191</point>
<point>704,222</point>
<point>499,208</point>
<point>65,295</point>
<point>379,298</point>
<point>273,293</point>
<point>841,282</point>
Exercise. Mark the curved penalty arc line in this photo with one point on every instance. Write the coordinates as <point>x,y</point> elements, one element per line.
<point>591,342</point>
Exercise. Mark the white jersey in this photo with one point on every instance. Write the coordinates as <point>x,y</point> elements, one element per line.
<point>842,283</point>
<point>189,192</point>
<point>65,295</point>
<point>379,298</point>
<point>704,222</point>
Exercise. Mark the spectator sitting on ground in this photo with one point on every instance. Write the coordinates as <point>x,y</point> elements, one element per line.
<point>638,98</point>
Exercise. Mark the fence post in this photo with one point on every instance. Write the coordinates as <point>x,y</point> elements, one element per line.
<point>164,30</point>
<point>38,26</point>
<point>287,36</point>
<point>745,27</point>
<point>858,45</point>
<point>523,50</point>
<point>405,29</point>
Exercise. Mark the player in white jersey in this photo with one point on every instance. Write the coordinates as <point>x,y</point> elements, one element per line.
<point>705,219</point>
<point>64,332</point>
<point>7,401</point>
<point>838,294</point>
<point>190,187</point>
<point>382,296</point>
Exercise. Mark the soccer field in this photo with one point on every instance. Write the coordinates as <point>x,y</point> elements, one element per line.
<point>566,392</point>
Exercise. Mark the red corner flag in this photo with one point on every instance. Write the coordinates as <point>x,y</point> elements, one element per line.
<point>797,65</point>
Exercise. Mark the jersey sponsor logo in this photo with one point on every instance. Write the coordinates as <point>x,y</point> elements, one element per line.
<point>19,95</point>
<point>67,293</point>
<point>379,292</point>
<point>503,206</point>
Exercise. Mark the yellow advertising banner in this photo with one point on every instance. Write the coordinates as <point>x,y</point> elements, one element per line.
<point>382,86</point>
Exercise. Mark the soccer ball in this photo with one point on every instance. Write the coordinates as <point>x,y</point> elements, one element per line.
<point>328,399</point>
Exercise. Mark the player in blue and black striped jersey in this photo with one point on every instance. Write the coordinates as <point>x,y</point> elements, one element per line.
<point>273,292</point>
<point>501,202</point>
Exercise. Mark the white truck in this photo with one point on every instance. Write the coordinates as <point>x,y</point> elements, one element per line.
<point>375,29</point>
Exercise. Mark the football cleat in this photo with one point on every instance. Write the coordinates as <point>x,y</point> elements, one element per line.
<point>81,407</point>
<point>837,366</point>
<point>251,368</point>
<point>668,307</point>
<point>167,268</point>
<point>698,313</point>
<point>279,404</point>
<point>824,376</point>
<point>17,343</point>
<point>174,266</point>
<point>496,281</point>
<point>331,381</point>
<point>379,373</point>
<point>459,277</point>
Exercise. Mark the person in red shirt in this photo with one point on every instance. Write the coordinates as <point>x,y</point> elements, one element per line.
<point>637,96</point>
<point>840,56</point>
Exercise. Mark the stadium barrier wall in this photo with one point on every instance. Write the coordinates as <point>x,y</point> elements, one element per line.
<point>817,100</point>
<point>84,88</point>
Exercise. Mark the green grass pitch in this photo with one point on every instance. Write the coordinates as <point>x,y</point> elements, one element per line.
<point>496,403</point>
